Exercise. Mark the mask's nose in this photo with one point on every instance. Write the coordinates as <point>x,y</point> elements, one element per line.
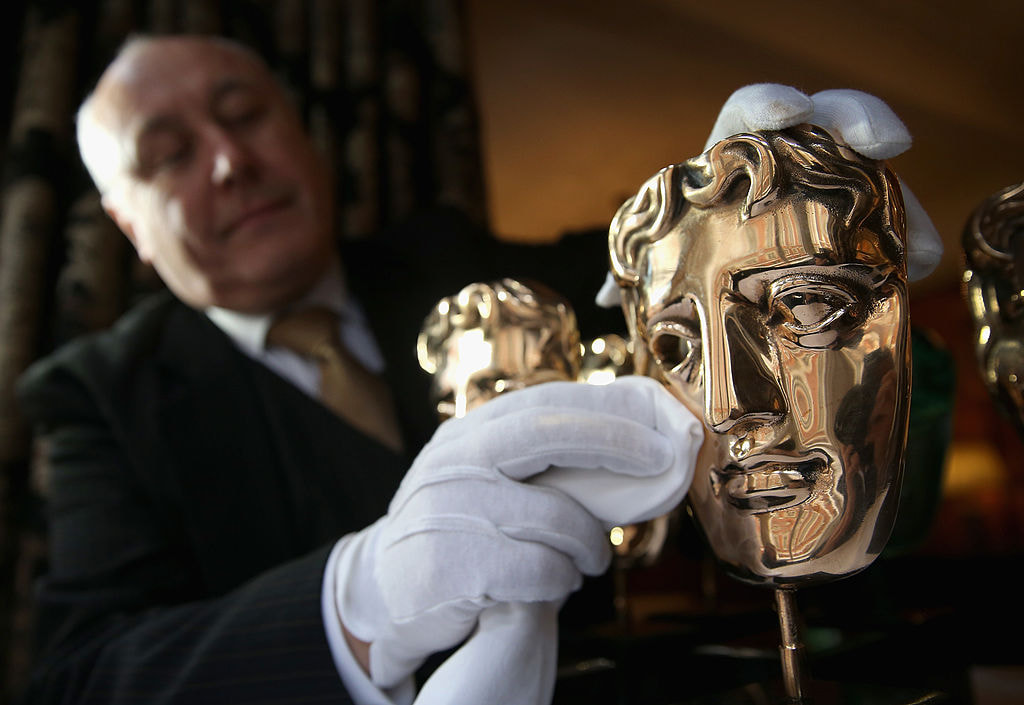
<point>741,383</point>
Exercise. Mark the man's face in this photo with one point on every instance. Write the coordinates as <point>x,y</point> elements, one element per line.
<point>218,186</point>
<point>798,363</point>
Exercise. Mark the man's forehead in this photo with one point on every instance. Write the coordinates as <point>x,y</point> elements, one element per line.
<point>162,74</point>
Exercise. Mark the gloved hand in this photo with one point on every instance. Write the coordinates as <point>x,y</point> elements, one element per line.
<point>860,120</point>
<point>467,531</point>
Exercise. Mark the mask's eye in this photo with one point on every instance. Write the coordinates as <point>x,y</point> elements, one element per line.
<point>812,311</point>
<point>675,342</point>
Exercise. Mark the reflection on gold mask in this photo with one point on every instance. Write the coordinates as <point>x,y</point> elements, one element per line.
<point>994,244</point>
<point>605,358</point>
<point>764,282</point>
<point>494,338</point>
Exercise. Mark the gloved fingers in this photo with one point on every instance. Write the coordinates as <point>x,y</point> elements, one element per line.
<point>426,576</point>
<point>498,507</point>
<point>643,431</point>
<point>511,659</point>
<point>610,295</point>
<point>569,396</point>
<point>613,427</point>
<point>862,121</point>
<point>924,246</point>
<point>527,442</point>
<point>400,648</point>
<point>616,499</point>
<point>761,106</point>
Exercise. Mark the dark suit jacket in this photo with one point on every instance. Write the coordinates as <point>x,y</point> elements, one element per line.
<point>195,495</point>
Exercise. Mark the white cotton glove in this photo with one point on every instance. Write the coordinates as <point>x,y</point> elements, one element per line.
<point>761,106</point>
<point>860,120</point>
<point>467,531</point>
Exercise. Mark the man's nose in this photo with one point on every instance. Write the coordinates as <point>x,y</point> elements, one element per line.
<point>231,159</point>
<point>741,384</point>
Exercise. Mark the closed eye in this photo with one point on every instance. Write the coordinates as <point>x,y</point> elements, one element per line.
<point>162,147</point>
<point>238,105</point>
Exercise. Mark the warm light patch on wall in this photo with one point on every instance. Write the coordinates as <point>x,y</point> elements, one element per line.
<point>973,466</point>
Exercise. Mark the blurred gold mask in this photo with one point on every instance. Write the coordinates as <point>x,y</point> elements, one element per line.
<point>994,247</point>
<point>496,337</point>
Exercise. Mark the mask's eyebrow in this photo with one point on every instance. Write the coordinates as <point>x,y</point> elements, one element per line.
<point>753,286</point>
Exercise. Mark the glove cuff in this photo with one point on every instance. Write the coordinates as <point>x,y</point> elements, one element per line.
<point>363,612</point>
<point>357,596</point>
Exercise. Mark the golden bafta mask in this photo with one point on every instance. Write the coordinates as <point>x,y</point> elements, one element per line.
<point>494,338</point>
<point>994,246</point>
<point>764,282</point>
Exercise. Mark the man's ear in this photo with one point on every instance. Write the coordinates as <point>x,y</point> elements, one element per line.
<point>125,225</point>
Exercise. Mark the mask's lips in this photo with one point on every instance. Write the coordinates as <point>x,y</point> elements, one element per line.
<point>766,483</point>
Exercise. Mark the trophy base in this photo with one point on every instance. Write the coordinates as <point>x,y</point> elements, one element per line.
<point>824,693</point>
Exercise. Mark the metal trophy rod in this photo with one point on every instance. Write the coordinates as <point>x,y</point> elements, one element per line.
<point>791,649</point>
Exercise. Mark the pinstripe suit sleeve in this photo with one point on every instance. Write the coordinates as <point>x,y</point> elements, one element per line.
<point>124,614</point>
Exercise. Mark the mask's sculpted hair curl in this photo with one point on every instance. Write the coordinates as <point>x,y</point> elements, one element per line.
<point>993,238</point>
<point>864,194</point>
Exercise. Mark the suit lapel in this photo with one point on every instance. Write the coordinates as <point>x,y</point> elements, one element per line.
<point>258,483</point>
<point>340,479</point>
<point>395,308</point>
<point>221,454</point>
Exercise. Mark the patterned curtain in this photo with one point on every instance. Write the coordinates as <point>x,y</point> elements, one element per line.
<point>384,88</point>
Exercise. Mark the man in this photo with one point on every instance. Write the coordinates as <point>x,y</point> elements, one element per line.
<point>219,535</point>
<point>200,488</point>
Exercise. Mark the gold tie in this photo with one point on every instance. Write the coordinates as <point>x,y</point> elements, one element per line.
<point>346,387</point>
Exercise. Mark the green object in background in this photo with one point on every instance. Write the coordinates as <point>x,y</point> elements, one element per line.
<point>929,436</point>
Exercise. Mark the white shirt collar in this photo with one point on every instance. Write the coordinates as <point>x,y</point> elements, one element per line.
<point>249,331</point>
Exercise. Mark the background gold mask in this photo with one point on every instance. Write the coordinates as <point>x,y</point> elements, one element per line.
<point>496,337</point>
<point>994,248</point>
